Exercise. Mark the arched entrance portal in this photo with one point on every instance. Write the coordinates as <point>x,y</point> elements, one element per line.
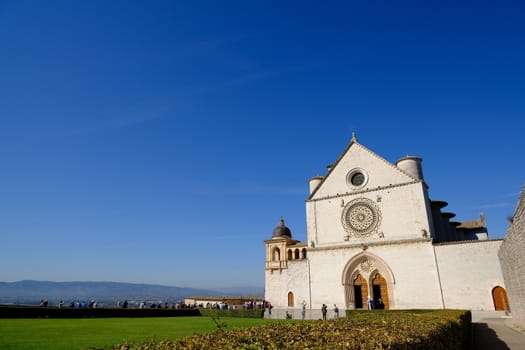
<point>290,299</point>
<point>499,296</point>
<point>367,276</point>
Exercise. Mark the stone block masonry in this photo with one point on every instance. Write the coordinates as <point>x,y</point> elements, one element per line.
<point>512,259</point>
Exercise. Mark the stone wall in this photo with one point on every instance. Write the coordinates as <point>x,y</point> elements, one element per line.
<point>469,271</point>
<point>512,258</point>
<point>279,282</point>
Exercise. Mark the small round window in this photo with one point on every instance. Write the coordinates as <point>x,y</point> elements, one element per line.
<point>356,178</point>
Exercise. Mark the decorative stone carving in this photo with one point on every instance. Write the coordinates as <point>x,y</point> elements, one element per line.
<point>366,265</point>
<point>361,217</point>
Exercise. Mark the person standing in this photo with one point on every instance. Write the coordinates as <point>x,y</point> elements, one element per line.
<point>336,311</point>
<point>324,309</point>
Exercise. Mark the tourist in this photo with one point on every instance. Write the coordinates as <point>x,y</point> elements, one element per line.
<point>370,303</point>
<point>324,309</point>
<point>336,311</point>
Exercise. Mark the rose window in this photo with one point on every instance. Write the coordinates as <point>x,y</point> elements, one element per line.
<point>360,217</point>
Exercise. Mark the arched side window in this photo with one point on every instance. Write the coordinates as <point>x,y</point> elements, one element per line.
<point>290,299</point>
<point>290,257</point>
<point>304,253</point>
<point>276,254</point>
<point>296,254</point>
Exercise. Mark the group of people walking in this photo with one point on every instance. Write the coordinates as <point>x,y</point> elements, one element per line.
<point>324,311</point>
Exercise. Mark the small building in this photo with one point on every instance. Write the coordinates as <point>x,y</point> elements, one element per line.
<point>225,301</point>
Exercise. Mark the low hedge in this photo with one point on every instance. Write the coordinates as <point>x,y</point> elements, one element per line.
<point>430,330</point>
<point>69,312</point>
<point>245,313</point>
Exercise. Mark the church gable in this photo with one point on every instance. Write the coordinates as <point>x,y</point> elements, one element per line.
<point>359,169</point>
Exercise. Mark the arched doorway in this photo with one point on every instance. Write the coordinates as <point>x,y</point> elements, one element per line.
<point>499,296</point>
<point>380,292</point>
<point>290,299</point>
<point>360,292</point>
<point>363,273</point>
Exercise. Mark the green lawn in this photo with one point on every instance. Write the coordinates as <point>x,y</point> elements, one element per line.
<point>70,334</point>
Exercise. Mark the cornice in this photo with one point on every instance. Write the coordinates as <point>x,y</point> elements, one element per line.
<point>365,245</point>
<point>281,240</point>
<point>339,195</point>
<point>471,241</point>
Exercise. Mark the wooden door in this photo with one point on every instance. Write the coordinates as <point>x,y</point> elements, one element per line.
<point>379,283</point>
<point>362,288</point>
<point>499,296</point>
<point>290,299</point>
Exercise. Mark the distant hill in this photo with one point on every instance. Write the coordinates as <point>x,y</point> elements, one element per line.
<point>106,293</point>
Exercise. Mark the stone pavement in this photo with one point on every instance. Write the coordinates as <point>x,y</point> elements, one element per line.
<point>494,331</point>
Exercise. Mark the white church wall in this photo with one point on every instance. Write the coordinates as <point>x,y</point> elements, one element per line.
<point>292,279</point>
<point>412,265</point>
<point>400,217</point>
<point>326,269</point>
<point>469,271</point>
<point>416,280</point>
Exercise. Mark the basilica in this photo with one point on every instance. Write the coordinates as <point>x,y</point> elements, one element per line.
<point>376,239</point>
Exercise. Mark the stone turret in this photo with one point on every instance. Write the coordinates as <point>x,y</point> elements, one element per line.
<point>412,166</point>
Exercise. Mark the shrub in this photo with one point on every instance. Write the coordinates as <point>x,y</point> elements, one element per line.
<point>432,330</point>
<point>84,312</point>
<point>245,313</point>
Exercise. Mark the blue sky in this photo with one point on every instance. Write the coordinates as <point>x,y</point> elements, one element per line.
<point>160,142</point>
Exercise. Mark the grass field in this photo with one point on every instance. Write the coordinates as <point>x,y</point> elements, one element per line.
<point>62,334</point>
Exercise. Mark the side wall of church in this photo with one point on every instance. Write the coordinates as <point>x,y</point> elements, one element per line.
<point>412,266</point>
<point>292,279</point>
<point>512,258</point>
<point>469,271</point>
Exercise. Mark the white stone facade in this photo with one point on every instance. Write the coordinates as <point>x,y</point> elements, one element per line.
<point>372,233</point>
<point>469,271</point>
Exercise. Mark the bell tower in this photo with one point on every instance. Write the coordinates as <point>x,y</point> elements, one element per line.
<point>276,256</point>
